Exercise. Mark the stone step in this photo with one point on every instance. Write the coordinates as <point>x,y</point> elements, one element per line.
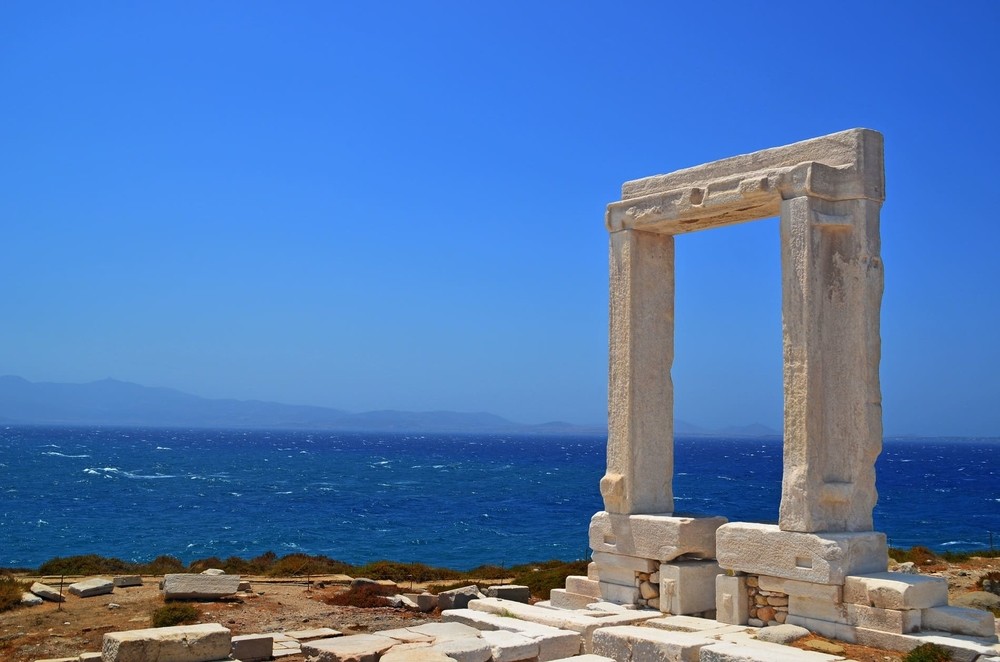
<point>560,598</point>
<point>583,586</point>
<point>553,643</point>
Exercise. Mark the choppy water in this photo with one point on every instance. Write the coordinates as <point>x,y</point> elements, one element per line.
<point>449,500</point>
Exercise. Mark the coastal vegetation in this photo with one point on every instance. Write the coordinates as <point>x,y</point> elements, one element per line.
<point>11,589</point>
<point>928,653</point>
<point>175,614</point>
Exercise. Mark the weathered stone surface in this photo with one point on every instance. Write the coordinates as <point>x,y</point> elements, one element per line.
<point>640,456</point>
<point>821,558</point>
<point>183,643</point>
<point>835,612</point>
<point>553,643</point>
<point>94,657</point>
<point>637,644</point>
<point>576,621</point>
<point>213,572</point>
<point>507,646</point>
<point>977,600</point>
<point>960,650</point>
<point>782,634</point>
<point>562,599</point>
<point>510,592</point>
<point>704,626</point>
<point>583,586</point>
<point>251,647</point>
<point>353,648</point>
<point>91,587</point>
<point>688,587</point>
<point>731,600</point>
<point>464,649</point>
<point>760,651</point>
<point>30,599</point>
<point>828,592</point>
<point>313,633</point>
<point>660,537</point>
<point>415,653</point>
<point>623,564</point>
<point>620,594</point>
<point>458,598</point>
<point>959,620</point>
<point>893,590</point>
<point>446,630</point>
<point>589,657</point>
<point>122,581</point>
<point>46,592</point>
<point>887,620</point>
<point>183,586</point>
<point>424,601</point>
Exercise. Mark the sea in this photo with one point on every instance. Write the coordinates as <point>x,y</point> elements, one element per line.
<point>450,500</point>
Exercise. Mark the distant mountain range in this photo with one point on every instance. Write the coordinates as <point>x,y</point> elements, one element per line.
<point>117,403</point>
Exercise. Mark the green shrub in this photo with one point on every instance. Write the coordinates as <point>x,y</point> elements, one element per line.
<point>992,575</point>
<point>928,653</point>
<point>175,614</point>
<point>489,572</point>
<point>161,565</point>
<point>10,592</point>
<point>542,579</point>
<point>86,564</point>
<point>201,565</point>
<point>400,572</point>
<point>300,565</point>
<point>919,555</point>
<point>365,595</point>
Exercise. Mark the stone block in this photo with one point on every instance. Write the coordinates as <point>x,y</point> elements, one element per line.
<point>588,657</point>
<point>510,646</point>
<point>251,647</point>
<point>629,643</point>
<point>414,653</point>
<point>621,594</point>
<point>623,563</point>
<point>446,630</point>
<point>960,650</point>
<point>425,601</point>
<point>123,581</point>
<point>458,598</point>
<point>731,600</point>
<point>313,633</point>
<point>820,558</point>
<point>620,576</point>
<point>467,649</point>
<point>693,624</point>
<point>782,634</point>
<point>584,586</point>
<point>577,621</point>
<point>510,592</point>
<point>93,657</point>
<point>817,608</point>
<point>959,620</point>
<point>182,643</point>
<point>553,643</point>
<point>760,651</point>
<point>88,588</point>
<point>29,599</point>
<point>184,586</point>
<point>887,620</point>
<point>660,537</point>
<point>353,648</point>
<point>46,592</point>
<point>896,590</point>
<point>829,629</point>
<point>688,587</point>
<point>560,598</point>
<point>828,592</point>
<point>592,572</point>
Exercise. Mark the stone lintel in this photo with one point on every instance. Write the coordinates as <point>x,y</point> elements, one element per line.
<point>737,199</point>
<point>861,148</point>
<point>660,537</point>
<point>821,558</point>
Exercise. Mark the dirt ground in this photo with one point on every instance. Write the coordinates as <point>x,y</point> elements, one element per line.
<point>78,625</point>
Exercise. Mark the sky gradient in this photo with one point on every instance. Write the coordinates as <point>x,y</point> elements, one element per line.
<point>400,206</point>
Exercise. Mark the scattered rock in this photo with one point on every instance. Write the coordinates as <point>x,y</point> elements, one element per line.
<point>458,598</point>
<point>782,634</point>
<point>909,568</point>
<point>363,581</point>
<point>114,605</point>
<point>88,588</point>
<point>30,599</point>
<point>513,592</point>
<point>825,646</point>
<point>46,592</point>
<point>977,600</point>
<point>214,572</point>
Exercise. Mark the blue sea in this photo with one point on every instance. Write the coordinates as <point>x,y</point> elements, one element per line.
<point>449,500</point>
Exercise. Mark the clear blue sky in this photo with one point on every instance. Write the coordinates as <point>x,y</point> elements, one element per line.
<point>377,205</point>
